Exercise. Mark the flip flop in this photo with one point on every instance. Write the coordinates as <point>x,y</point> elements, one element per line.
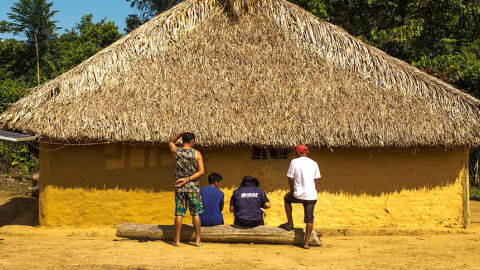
<point>306,247</point>
<point>175,244</point>
<point>198,244</point>
<point>286,227</point>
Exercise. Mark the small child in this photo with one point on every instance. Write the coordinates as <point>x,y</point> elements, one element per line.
<point>213,200</point>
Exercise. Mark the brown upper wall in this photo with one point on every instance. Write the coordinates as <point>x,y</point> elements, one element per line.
<point>350,171</point>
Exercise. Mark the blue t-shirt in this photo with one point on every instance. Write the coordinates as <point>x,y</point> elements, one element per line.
<point>248,202</point>
<point>212,199</point>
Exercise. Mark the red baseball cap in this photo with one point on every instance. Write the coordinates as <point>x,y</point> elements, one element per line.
<point>302,149</point>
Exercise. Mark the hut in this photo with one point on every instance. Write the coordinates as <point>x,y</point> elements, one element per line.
<point>252,79</point>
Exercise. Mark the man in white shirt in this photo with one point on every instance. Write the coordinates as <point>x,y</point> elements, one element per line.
<point>301,178</point>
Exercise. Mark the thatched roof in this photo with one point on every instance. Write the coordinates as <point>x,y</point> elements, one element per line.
<point>262,72</point>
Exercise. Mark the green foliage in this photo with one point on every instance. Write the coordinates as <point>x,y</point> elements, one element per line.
<point>440,37</point>
<point>30,18</point>
<point>458,66</point>
<point>17,158</point>
<point>57,55</point>
<point>13,63</point>
<point>148,9</point>
<point>133,21</point>
<point>11,91</point>
<point>474,193</point>
<point>401,35</point>
<point>22,159</point>
<point>14,158</point>
<point>33,20</point>
<point>85,40</point>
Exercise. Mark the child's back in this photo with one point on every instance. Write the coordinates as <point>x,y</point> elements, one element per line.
<point>213,200</point>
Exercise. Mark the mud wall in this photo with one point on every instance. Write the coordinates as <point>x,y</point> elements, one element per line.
<point>115,183</point>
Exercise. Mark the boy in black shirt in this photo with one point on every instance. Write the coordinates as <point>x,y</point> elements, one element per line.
<point>247,202</point>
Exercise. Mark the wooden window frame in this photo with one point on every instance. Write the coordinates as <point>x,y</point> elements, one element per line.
<point>259,153</point>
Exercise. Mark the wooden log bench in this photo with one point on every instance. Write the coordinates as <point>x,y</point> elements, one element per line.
<point>221,234</point>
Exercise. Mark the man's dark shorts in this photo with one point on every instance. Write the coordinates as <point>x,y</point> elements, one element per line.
<point>308,206</point>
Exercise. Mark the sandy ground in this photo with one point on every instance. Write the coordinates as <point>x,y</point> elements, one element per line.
<point>29,247</point>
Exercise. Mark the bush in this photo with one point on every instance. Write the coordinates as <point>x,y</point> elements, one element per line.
<point>10,92</point>
<point>16,159</point>
<point>474,193</point>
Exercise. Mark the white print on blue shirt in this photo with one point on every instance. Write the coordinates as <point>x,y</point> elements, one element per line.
<point>249,195</point>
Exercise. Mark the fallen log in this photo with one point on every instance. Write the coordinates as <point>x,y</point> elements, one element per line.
<point>221,233</point>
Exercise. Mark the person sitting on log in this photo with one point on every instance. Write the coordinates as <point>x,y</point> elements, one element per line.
<point>212,199</point>
<point>247,202</point>
<point>188,167</point>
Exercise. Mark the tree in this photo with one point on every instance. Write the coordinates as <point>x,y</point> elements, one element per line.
<point>71,48</point>
<point>440,37</point>
<point>11,90</point>
<point>13,63</point>
<point>85,40</point>
<point>148,9</point>
<point>33,19</point>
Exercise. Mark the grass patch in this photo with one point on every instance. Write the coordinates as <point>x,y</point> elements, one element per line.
<point>474,193</point>
<point>13,187</point>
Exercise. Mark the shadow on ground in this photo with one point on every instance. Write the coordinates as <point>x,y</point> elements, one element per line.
<point>19,211</point>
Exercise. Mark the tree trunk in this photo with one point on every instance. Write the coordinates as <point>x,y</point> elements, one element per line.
<point>477,170</point>
<point>38,61</point>
<point>221,233</point>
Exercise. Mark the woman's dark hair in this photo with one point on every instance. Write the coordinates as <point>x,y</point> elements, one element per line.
<point>188,137</point>
<point>249,181</point>
<point>214,177</point>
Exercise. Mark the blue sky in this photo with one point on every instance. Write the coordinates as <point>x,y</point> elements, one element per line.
<point>70,12</point>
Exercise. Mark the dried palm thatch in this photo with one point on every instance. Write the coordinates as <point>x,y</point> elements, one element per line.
<point>258,72</point>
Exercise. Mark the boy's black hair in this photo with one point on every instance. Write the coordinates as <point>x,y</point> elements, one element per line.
<point>214,177</point>
<point>188,137</point>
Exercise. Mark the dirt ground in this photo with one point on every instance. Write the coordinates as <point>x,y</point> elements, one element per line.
<point>25,246</point>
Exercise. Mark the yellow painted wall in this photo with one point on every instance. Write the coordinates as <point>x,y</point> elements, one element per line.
<point>111,184</point>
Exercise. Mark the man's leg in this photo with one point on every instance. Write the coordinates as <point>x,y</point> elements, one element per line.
<point>197,224</point>
<point>288,210</point>
<point>308,232</point>
<point>178,228</point>
<point>196,208</point>
<point>180,210</point>
<point>308,207</point>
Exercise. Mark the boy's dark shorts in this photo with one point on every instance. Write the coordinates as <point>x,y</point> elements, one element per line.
<point>308,206</point>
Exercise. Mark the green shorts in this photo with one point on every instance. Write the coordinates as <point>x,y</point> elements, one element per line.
<point>194,203</point>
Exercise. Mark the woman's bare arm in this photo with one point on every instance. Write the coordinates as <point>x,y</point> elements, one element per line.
<point>171,143</point>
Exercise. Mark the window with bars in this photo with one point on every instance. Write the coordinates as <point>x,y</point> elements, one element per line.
<point>259,153</point>
<point>278,153</point>
<point>269,153</point>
